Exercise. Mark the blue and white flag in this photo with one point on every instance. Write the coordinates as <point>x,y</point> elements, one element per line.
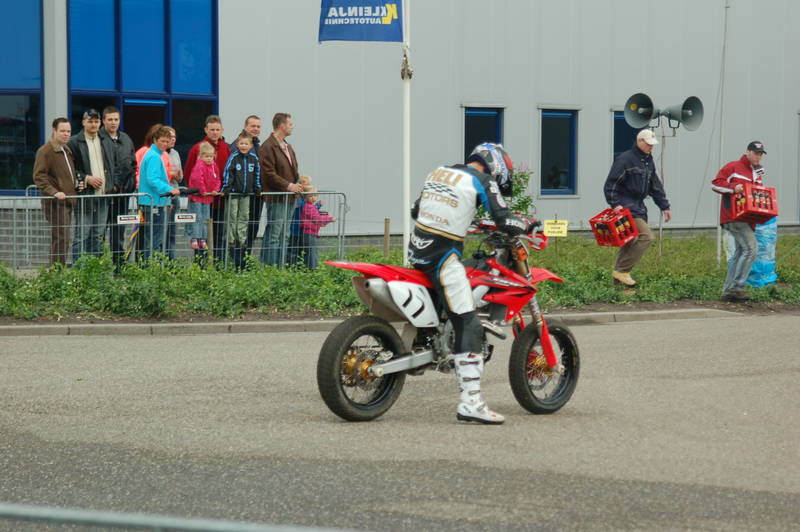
<point>361,20</point>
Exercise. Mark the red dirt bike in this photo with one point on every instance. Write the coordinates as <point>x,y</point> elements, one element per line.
<point>364,361</point>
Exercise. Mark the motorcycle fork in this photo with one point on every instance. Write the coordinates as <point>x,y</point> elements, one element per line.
<point>521,266</point>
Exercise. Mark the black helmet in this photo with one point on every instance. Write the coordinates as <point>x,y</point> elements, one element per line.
<point>497,162</point>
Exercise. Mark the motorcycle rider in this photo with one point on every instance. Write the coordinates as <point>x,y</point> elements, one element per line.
<point>443,213</point>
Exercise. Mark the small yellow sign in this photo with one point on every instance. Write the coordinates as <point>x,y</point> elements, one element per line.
<point>555,227</point>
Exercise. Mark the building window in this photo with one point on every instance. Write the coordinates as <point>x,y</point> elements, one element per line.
<point>624,135</point>
<point>92,45</point>
<point>20,137</point>
<point>20,91</point>
<point>21,28</point>
<point>155,60</point>
<point>191,50</point>
<point>482,124</point>
<point>189,118</point>
<point>559,152</point>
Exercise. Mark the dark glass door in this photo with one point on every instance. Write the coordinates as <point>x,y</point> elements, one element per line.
<point>138,116</point>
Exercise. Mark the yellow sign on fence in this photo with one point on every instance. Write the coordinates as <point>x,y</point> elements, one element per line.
<point>555,227</point>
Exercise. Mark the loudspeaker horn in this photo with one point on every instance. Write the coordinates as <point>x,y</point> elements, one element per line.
<point>639,110</point>
<point>690,113</point>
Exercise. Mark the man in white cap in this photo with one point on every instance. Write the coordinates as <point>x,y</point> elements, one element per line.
<point>631,179</point>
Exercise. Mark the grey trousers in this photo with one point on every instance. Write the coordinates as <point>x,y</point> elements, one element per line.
<point>744,254</point>
<point>631,253</point>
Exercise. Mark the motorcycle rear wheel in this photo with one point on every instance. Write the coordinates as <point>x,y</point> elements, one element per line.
<point>536,388</point>
<point>343,379</point>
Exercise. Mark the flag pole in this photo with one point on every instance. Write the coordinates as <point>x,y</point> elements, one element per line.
<point>405,74</point>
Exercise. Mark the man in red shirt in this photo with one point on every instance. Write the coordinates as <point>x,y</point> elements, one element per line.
<point>214,137</point>
<point>729,181</point>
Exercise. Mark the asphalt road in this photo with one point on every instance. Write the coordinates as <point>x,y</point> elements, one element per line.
<point>678,424</point>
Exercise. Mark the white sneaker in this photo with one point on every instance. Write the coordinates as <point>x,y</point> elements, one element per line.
<point>480,413</point>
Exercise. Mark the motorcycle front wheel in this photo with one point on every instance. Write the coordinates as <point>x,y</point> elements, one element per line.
<point>343,376</point>
<point>537,388</point>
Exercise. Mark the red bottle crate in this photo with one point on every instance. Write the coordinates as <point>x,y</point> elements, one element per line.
<point>613,228</point>
<point>755,205</point>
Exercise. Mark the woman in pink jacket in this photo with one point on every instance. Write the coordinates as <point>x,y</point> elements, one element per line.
<point>205,178</point>
<point>311,221</point>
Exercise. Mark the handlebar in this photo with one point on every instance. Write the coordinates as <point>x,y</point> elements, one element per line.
<point>498,238</point>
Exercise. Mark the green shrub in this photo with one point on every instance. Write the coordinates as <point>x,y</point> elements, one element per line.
<point>685,270</point>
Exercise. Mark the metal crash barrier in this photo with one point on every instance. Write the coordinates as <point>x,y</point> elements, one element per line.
<point>36,230</point>
<point>24,512</point>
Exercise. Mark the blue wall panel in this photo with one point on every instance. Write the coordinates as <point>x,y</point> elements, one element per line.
<point>20,26</point>
<point>143,45</point>
<point>191,34</point>
<point>92,44</point>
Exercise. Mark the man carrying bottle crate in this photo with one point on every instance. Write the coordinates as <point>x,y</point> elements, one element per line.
<point>631,179</point>
<point>730,180</point>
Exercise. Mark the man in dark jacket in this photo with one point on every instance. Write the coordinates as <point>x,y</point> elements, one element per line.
<point>279,173</point>
<point>93,165</point>
<point>123,178</point>
<point>631,179</point>
<point>54,174</point>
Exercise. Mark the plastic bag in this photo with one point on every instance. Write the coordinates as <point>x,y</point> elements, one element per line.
<point>763,270</point>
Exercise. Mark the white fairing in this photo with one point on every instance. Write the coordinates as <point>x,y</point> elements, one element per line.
<point>415,302</point>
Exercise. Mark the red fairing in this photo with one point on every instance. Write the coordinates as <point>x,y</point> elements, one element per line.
<point>540,274</point>
<point>386,272</point>
<point>515,290</point>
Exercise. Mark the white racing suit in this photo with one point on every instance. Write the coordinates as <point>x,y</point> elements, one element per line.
<point>443,213</point>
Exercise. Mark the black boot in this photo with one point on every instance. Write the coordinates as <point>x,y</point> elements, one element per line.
<point>237,258</point>
<point>242,259</point>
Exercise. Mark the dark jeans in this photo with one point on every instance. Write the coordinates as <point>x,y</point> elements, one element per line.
<point>218,217</point>
<point>172,227</point>
<point>91,215</point>
<point>155,218</point>
<point>256,204</point>
<point>116,240</point>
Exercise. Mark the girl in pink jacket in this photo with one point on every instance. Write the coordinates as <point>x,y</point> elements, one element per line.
<point>311,221</point>
<point>204,177</point>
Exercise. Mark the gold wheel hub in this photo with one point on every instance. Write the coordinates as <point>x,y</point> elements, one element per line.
<point>538,364</point>
<point>355,367</point>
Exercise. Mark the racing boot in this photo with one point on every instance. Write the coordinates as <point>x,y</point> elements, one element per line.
<point>469,367</point>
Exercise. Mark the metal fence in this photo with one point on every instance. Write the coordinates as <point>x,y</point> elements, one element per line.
<point>37,230</point>
<point>129,521</point>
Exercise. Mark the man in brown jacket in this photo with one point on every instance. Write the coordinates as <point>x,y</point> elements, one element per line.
<point>54,173</point>
<point>279,173</point>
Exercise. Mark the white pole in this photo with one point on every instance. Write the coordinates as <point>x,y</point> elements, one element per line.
<point>405,74</point>
<point>721,121</point>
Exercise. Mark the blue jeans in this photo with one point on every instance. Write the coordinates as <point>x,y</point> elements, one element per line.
<point>743,255</point>
<point>276,236</point>
<point>155,218</point>
<point>202,212</point>
<point>90,216</point>
<point>308,245</point>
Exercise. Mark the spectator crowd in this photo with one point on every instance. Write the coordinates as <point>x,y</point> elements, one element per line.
<point>89,179</point>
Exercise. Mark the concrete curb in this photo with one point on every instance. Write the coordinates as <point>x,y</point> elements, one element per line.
<point>174,329</point>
